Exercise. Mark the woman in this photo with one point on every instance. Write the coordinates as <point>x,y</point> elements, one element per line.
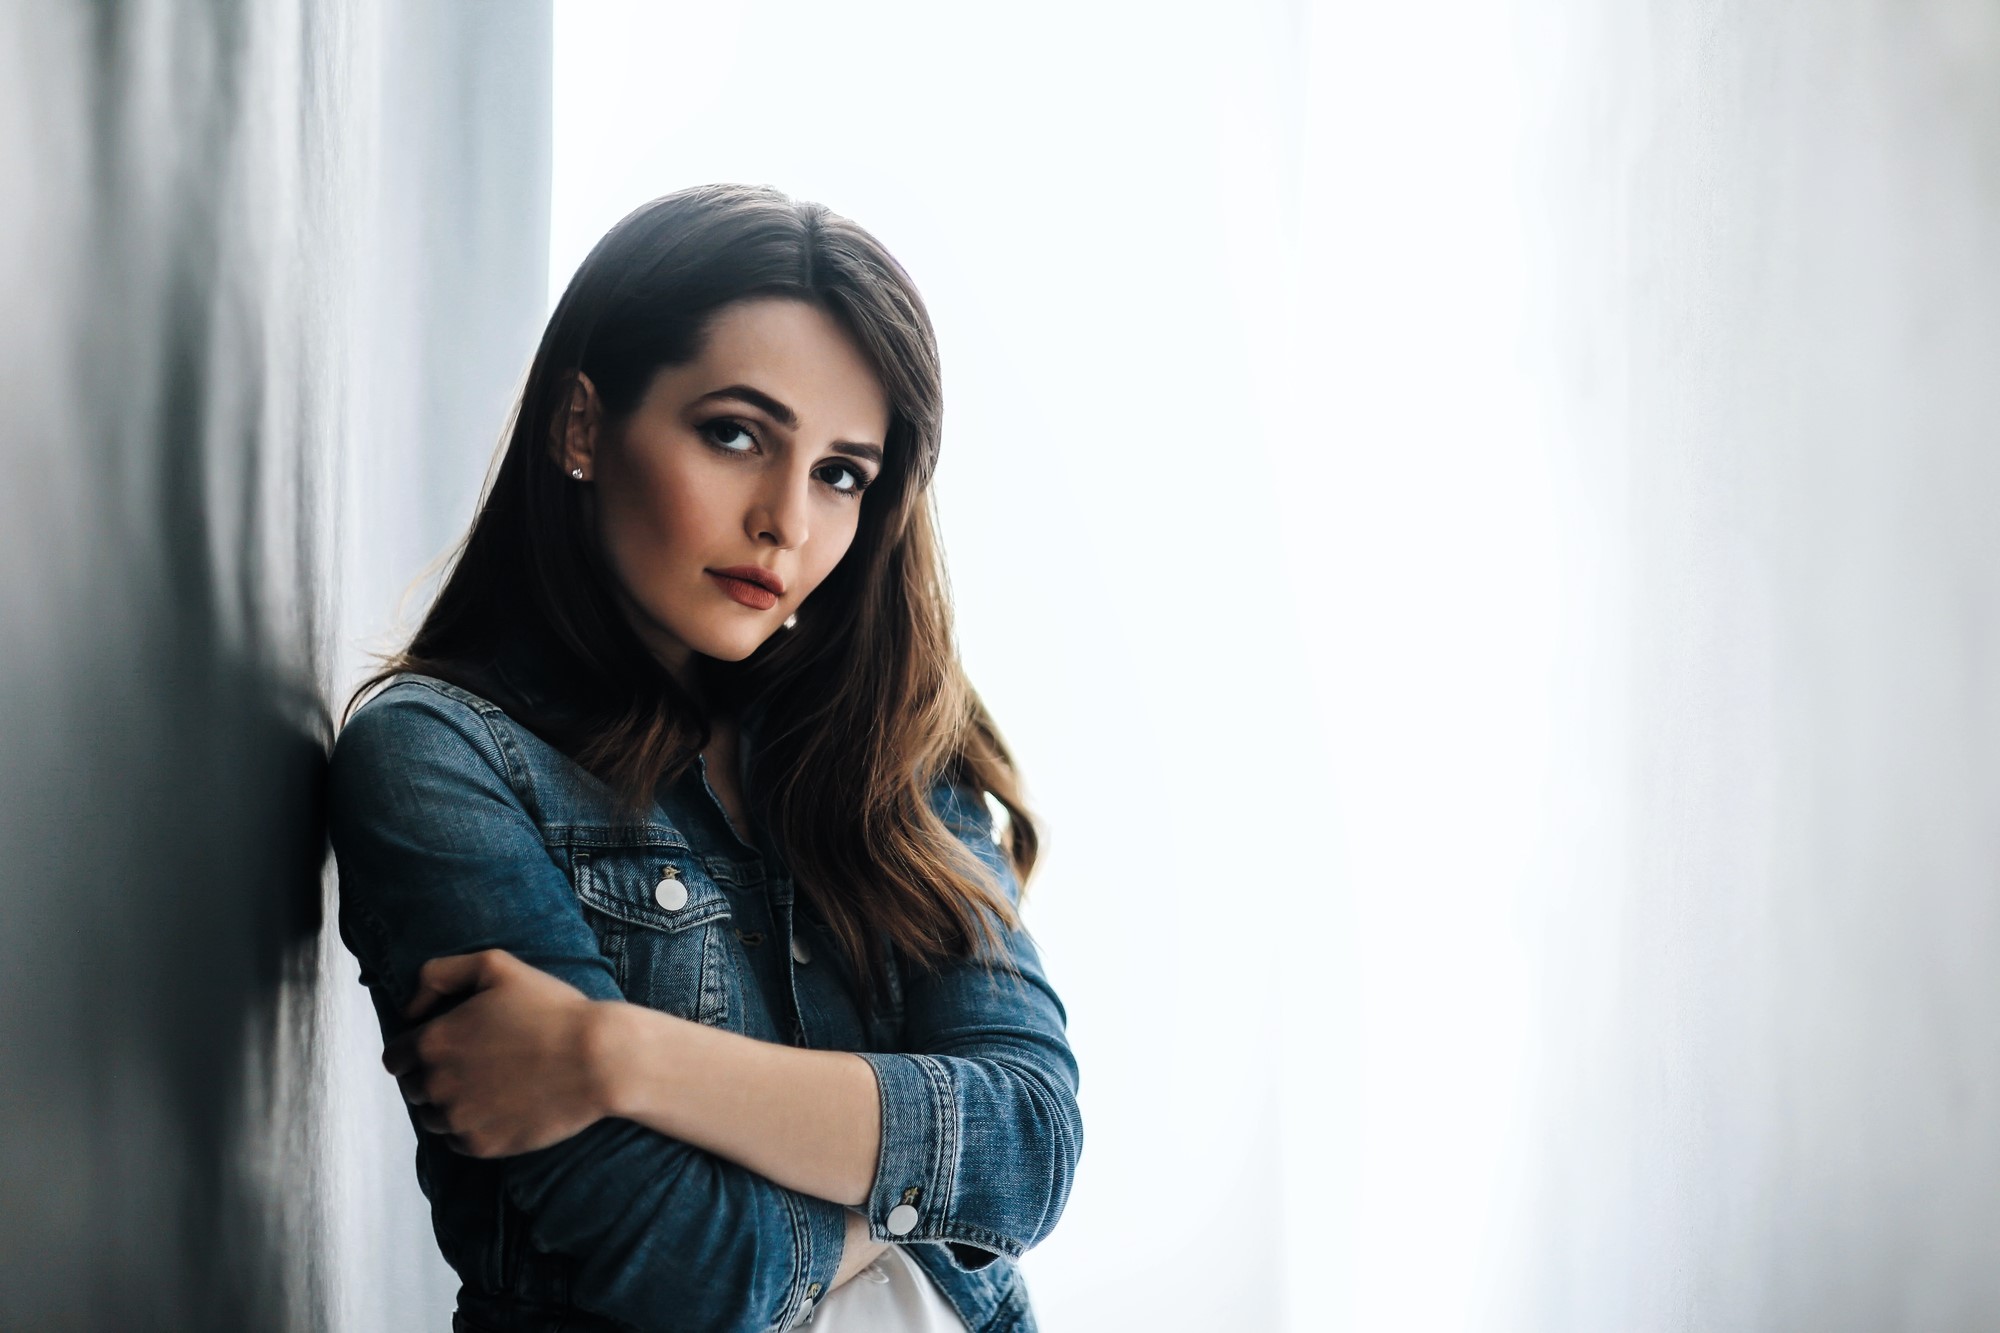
<point>666,851</point>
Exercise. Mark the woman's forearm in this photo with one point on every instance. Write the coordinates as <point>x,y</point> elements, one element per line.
<point>805,1119</point>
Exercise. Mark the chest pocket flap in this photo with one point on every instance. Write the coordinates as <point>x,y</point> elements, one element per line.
<point>660,887</point>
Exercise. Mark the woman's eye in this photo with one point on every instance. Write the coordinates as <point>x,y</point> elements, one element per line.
<point>845,479</point>
<point>731,436</point>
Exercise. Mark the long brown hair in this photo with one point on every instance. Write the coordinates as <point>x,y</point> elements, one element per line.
<point>862,707</point>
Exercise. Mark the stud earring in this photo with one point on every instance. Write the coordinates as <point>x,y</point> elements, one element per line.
<point>792,620</point>
<point>576,472</point>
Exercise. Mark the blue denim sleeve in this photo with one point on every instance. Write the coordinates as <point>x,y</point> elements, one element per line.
<point>438,854</point>
<point>980,1127</point>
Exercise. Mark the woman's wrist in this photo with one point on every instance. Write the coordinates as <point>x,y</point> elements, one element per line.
<point>608,1045</point>
<point>858,1251</point>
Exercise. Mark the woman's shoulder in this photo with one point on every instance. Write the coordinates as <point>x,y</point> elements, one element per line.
<point>424,729</point>
<point>412,704</point>
<point>409,695</point>
<point>417,720</point>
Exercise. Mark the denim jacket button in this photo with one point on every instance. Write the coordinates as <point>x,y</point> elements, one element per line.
<point>902,1220</point>
<point>800,953</point>
<point>670,893</point>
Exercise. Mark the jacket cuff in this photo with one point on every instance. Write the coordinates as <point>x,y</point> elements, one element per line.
<point>819,1235</point>
<point>911,1199</point>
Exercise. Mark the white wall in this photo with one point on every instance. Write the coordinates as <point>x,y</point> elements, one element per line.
<point>1773,299</point>
<point>1477,521</point>
<point>1658,343</point>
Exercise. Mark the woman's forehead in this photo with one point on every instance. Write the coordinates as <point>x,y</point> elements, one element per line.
<point>798,364</point>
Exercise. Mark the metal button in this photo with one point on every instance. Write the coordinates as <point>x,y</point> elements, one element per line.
<point>805,1312</point>
<point>800,953</point>
<point>902,1220</point>
<point>670,893</point>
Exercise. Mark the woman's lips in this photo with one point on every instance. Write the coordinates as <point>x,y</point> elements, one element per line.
<point>753,595</point>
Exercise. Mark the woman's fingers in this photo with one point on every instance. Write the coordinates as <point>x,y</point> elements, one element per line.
<point>412,1085</point>
<point>399,1057</point>
<point>508,1056</point>
<point>451,974</point>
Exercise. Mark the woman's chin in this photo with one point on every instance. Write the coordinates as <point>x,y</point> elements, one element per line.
<point>734,646</point>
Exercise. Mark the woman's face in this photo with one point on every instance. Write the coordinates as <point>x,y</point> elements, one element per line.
<point>735,486</point>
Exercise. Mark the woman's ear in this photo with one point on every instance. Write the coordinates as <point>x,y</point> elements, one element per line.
<point>575,442</point>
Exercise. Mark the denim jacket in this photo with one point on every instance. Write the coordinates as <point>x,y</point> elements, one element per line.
<point>456,829</point>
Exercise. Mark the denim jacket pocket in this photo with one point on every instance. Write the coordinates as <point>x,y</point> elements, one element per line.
<point>663,923</point>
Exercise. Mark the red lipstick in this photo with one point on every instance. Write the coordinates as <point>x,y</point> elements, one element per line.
<point>752,585</point>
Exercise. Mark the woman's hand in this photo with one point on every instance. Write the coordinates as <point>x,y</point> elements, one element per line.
<point>508,1068</point>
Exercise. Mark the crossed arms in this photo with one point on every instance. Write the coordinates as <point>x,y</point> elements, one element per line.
<point>722,1198</point>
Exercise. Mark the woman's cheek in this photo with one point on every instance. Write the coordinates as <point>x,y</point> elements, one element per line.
<point>846,528</point>
<point>664,510</point>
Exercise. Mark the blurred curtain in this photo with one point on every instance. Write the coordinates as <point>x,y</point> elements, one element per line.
<point>270,271</point>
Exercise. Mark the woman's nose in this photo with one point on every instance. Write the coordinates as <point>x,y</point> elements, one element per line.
<point>779,516</point>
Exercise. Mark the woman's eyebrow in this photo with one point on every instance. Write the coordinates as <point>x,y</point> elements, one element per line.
<point>872,453</point>
<point>787,418</point>
<point>758,399</point>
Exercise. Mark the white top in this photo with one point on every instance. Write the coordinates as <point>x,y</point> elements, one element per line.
<point>891,1295</point>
